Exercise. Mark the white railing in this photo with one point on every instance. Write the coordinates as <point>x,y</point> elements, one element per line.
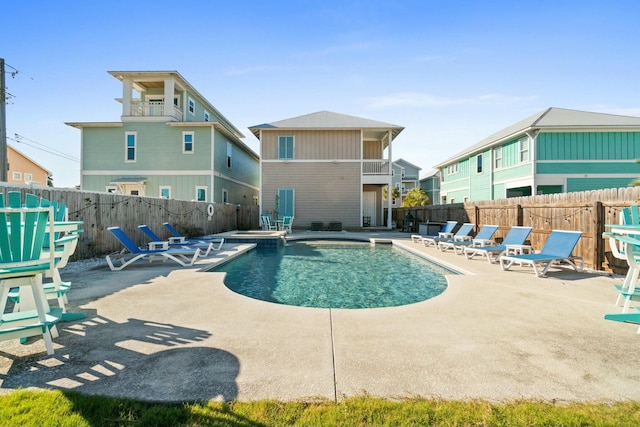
<point>153,109</point>
<point>375,167</point>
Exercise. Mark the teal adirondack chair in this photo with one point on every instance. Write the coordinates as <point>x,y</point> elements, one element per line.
<point>22,233</point>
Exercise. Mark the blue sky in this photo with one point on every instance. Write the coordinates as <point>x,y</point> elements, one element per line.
<point>450,72</point>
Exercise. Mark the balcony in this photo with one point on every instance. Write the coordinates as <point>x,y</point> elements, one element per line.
<point>153,109</point>
<point>376,172</point>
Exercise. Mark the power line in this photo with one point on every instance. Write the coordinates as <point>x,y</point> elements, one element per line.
<point>34,144</point>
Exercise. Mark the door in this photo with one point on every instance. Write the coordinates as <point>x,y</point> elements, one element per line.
<point>286,204</point>
<point>369,206</point>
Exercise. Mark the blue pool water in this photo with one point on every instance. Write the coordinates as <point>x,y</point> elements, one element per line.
<point>329,274</point>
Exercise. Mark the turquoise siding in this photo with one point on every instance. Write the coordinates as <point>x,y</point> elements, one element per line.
<point>499,191</point>
<point>585,184</point>
<point>510,154</point>
<point>480,182</point>
<point>588,146</point>
<point>587,168</point>
<point>457,196</point>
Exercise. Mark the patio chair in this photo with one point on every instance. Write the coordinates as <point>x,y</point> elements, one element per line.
<point>483,238</point>
<point>630,251</point>
<point>514,238</point>
<point>205,247</point>
<point>177,238</point>
<point>556,250</point>
<point>287,223</point>
<point>445,231</point>
<point>265,222</point>
<point>460,235</point>
<point>132,253</point>
<point>22,232</point>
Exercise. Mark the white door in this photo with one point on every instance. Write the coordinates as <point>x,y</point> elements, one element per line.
<point>369,205</point>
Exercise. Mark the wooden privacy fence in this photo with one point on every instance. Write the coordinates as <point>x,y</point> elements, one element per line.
<point>99,211</point>
<point>586,211</point>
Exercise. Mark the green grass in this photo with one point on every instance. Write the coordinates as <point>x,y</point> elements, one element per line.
<point>56,408</point>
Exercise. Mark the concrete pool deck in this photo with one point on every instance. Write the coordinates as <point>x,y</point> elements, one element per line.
<point>164,333</point>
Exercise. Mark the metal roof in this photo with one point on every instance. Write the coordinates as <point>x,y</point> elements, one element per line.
<point>552,118</point>
<point>327,120</point>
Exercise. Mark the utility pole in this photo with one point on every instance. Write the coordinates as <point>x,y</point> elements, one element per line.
<point>3,124</point>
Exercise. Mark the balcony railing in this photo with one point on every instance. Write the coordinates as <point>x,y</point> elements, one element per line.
<point>153,109</point>
<point>375,167</point>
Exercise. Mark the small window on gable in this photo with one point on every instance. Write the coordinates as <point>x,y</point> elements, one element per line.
<point>453,169</point>
<point>130,147</point>
<point>191,106</point>
<point>165,192</point>
<point>479,163</point>
<point>497,157</point>
<point>524,149</point>
<point>187,142</point>
<point>17,176</point>
<point>285,147</point>
<point>28,177</point>
<point>229,151</point>
<point>201,194</point>
<point>225,196</point>
<point>207,117</point>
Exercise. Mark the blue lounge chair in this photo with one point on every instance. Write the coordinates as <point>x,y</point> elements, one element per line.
<point>205,247</point>
<point>132,253</point>
<point>515,237</point>
<point>445,231</point>
<point>461,234</point>
<point>483,238</point>
<point>22,233</point>
<point>178,238</point>
<point>557,249</point>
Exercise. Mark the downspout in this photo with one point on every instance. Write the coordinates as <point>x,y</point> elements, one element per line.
<point>361,176</point>
<point>533,137</point>
<point>389,216</point>
<point>260,184</point>
<point>212,197</point>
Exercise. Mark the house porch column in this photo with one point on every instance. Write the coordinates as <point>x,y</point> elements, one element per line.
<point>169,88</point>
<point>127,89</point>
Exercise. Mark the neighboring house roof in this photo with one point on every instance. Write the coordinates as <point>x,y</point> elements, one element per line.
<point>552,118</point>
<point>431,174</point>
<point>404,162</point>
<point>29,159</point>
<point>327,120</point>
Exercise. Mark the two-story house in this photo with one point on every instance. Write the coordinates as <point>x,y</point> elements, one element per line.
<point>430,183</point>
<point>170,142</point>
<point>405,177</point>
<point>555,151</point>
<point>326,167</point>
<point>22,170</point>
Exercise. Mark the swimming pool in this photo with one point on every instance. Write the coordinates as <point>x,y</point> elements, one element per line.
<point>329,274</point>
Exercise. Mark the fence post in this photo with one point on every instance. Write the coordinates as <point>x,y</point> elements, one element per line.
<point>476,214</point>
<point>598,242</point>
<point>519,215</point>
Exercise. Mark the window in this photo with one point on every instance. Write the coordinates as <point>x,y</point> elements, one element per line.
<point>201,194</point>
<point>225,196</point>
<point>28,177</point>
<point>191,106</point>
<point>111,189</point>
<point>524,149</point>
<point>403,173</point>
<point>17,176</point>
<point>229,151</point>
<point>479,163</point>
<point>207,117</point>
<point>130,141</point>
<point>187,142</point>
<point>285,147</point>
<point>452,169</point>
<point>497,157</point>
<point>165,192</point>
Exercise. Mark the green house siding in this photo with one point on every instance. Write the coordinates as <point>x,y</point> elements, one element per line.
<point>457,196</point>
<point>579,167</point>
<point>588,146</point>
<point>480,182</point>
<point>585,184</point>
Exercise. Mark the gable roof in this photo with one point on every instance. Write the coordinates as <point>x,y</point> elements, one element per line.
<point>404,162</point>
<point>327,120</point>
<point>552,118</point>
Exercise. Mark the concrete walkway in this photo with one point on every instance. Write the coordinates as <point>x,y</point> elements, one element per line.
<point>160,332</point>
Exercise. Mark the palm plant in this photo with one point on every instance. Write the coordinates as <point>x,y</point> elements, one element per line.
<point>416,197</point>
<point>395,193</point>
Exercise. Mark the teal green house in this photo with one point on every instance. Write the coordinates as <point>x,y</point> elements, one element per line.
<point>170,142</point>
<point>555,151</point>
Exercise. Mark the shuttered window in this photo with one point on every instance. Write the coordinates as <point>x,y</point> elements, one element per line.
<point>285,147</point>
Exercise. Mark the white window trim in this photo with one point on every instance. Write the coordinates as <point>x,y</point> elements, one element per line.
<point>164,187</point>
<point>293,147</point>
<point>225,195</point>
<point>189,102</point>
<point>16,176</point>
<point>126,147</point>
<point>453,169</point>
<point>28,177</point>
<point>497,157</point>
<point>206,195</point>
<point>184,143</point>
<point>229,155</point>
<point>480,158</point>
<point>521,151</point>
<point>206,116</point>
